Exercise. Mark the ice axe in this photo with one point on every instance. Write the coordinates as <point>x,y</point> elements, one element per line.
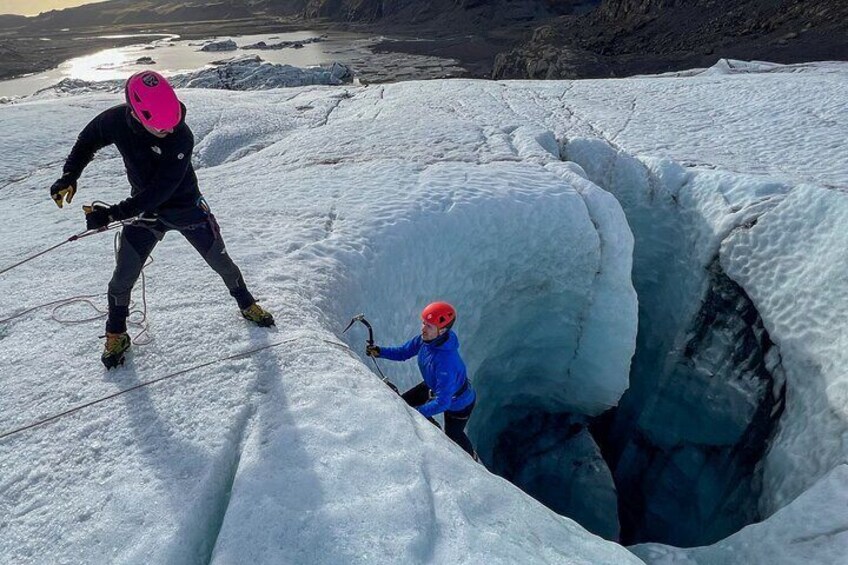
<point>361,318</point>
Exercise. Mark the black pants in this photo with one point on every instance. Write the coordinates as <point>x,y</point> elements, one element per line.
<point>455,422</point>
<point>137,242</point>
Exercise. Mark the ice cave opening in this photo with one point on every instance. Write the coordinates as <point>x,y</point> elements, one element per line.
<point>678,461</point>
<point>549,344</point>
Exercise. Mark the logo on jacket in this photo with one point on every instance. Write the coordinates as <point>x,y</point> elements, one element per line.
<point>156,149</point>
<point>150,80</point>
<point>180,156</point>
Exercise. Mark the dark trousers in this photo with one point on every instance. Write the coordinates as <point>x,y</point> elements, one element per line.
<point>137,242</point>
<point>455,422</point>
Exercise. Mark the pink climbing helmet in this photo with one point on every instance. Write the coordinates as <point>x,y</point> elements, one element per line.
<point>153,100</point>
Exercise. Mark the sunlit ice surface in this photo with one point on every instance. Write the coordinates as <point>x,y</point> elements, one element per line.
<point>108,64</point>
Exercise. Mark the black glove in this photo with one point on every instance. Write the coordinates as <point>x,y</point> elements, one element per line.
<point>372,351</point>
<point>63,190</point>
<point>97,216</point>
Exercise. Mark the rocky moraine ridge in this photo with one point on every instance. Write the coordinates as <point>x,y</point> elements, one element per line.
<point>626,37</point>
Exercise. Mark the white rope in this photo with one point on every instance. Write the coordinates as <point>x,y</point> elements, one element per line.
<point>160,379</point>
<point>87,299</point>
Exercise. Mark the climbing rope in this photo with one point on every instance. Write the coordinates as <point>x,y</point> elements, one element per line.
<point>175,374</point>
<point>81,235</point>
<point>87,298</point>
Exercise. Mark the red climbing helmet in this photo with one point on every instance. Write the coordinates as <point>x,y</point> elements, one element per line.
<point>440,314</point>
<point>153,100</point>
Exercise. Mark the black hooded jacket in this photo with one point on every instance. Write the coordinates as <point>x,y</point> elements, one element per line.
<point>159,169</point>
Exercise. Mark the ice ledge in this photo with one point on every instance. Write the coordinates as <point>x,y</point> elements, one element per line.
<point>784,245</point>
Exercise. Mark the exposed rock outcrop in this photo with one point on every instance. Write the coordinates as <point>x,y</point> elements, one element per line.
<point>625,37</point>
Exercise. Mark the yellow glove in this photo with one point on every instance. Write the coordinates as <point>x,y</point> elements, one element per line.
<point>63,190</point>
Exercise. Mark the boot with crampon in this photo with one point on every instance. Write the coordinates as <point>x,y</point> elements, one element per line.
<point>116,346</point>
<point>256,314</point>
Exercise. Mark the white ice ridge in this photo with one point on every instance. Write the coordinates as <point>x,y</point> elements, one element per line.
<point>792,264</point>
<point>782,246</point>
<point>300,454</point>
<point>780,238</point>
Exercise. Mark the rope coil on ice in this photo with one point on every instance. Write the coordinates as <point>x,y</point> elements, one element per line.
<point>87,298</point>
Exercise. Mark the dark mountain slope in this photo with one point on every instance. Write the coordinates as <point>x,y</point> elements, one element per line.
<point>623,37</point>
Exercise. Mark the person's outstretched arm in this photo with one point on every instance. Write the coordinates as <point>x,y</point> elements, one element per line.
<point>402,353</point>
<point>94,137</point>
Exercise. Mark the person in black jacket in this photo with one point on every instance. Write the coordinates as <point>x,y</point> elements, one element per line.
<point>150,133</point>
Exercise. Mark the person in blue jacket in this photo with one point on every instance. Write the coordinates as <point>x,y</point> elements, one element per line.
<point>446,387</point>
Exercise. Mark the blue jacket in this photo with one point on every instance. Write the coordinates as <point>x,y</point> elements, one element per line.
<point>442,369</point>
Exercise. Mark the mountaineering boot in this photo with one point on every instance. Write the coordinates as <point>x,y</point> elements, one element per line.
<point>116,347</point>
<point>256,314</point>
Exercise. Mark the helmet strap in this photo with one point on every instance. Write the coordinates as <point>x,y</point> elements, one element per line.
<point>443,337</point>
